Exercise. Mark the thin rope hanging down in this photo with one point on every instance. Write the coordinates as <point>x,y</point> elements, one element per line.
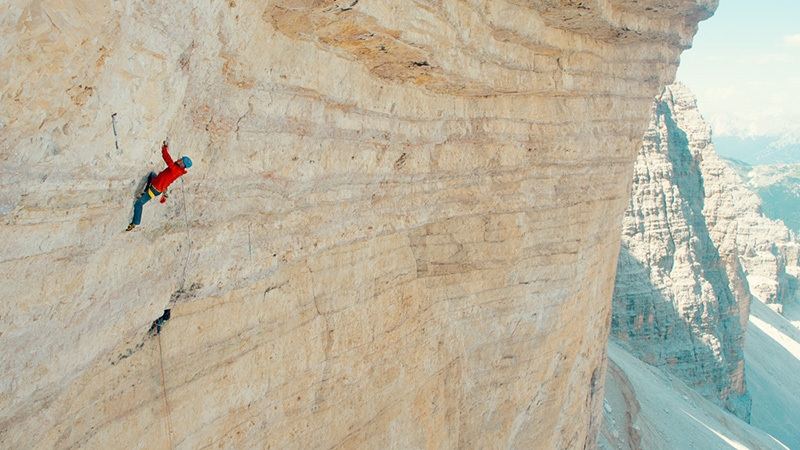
<point>188,237</point>
<point>167,415</point>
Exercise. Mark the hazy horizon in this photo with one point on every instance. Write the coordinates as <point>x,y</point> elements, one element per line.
<point>744,68</point>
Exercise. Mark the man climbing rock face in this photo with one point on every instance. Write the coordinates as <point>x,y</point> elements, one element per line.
<point>158,184</point>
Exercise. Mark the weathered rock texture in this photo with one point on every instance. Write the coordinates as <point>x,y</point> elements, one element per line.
<point>778,187</point>
<point>770,250</point>
<point>767,249</point>
<point>695,249</point>
<point>400,231</point>
<point>681,297</point>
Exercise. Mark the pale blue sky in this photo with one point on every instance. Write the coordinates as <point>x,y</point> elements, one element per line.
<point>744,67</point>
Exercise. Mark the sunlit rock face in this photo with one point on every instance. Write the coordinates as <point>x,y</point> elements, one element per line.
<point>682,295</point>
<point>696,249</point>
<point>400,230</point>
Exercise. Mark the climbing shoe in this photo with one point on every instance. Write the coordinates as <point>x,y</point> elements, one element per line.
<point>130,227</point>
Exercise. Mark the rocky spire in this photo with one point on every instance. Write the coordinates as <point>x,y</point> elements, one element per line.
<point>695,250</point>
<point>681,299</point>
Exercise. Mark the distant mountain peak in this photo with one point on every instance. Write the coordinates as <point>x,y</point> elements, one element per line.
<point>695,249</point>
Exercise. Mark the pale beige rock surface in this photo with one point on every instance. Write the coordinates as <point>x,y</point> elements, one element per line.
<point>400,230</point>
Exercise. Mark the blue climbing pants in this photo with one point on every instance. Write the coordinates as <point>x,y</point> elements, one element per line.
<point>149,193</point>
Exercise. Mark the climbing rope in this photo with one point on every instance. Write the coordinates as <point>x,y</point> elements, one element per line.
<point>167,415</point>
<point>249,243</point>
<point>188,236</point>
<point>185,211</point>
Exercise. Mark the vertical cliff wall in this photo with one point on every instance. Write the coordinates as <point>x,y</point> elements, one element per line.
<point>695,250</point>
<point>400,230</point>
<point>681,297</point>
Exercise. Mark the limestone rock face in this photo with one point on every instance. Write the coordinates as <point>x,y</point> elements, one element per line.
<point>769,249</point>
<point>695,249</point>
<point>400,230</point>
<point>681,298</point>
<point>778,187</point>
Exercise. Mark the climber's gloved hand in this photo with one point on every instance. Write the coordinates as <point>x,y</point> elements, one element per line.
<point>164,197</point>
<point>164,146</point>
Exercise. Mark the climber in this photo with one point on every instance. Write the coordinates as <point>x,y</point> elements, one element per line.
<point>157,184</point>
<point>155,328</point>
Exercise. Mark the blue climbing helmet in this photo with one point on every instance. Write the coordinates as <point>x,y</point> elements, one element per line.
<point>186,161</point>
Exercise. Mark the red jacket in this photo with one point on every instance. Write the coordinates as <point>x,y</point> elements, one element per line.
<point>168,175</point>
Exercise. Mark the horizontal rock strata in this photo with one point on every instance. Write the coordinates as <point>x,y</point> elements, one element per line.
<point>400,229</point>
<point>681,298</point>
